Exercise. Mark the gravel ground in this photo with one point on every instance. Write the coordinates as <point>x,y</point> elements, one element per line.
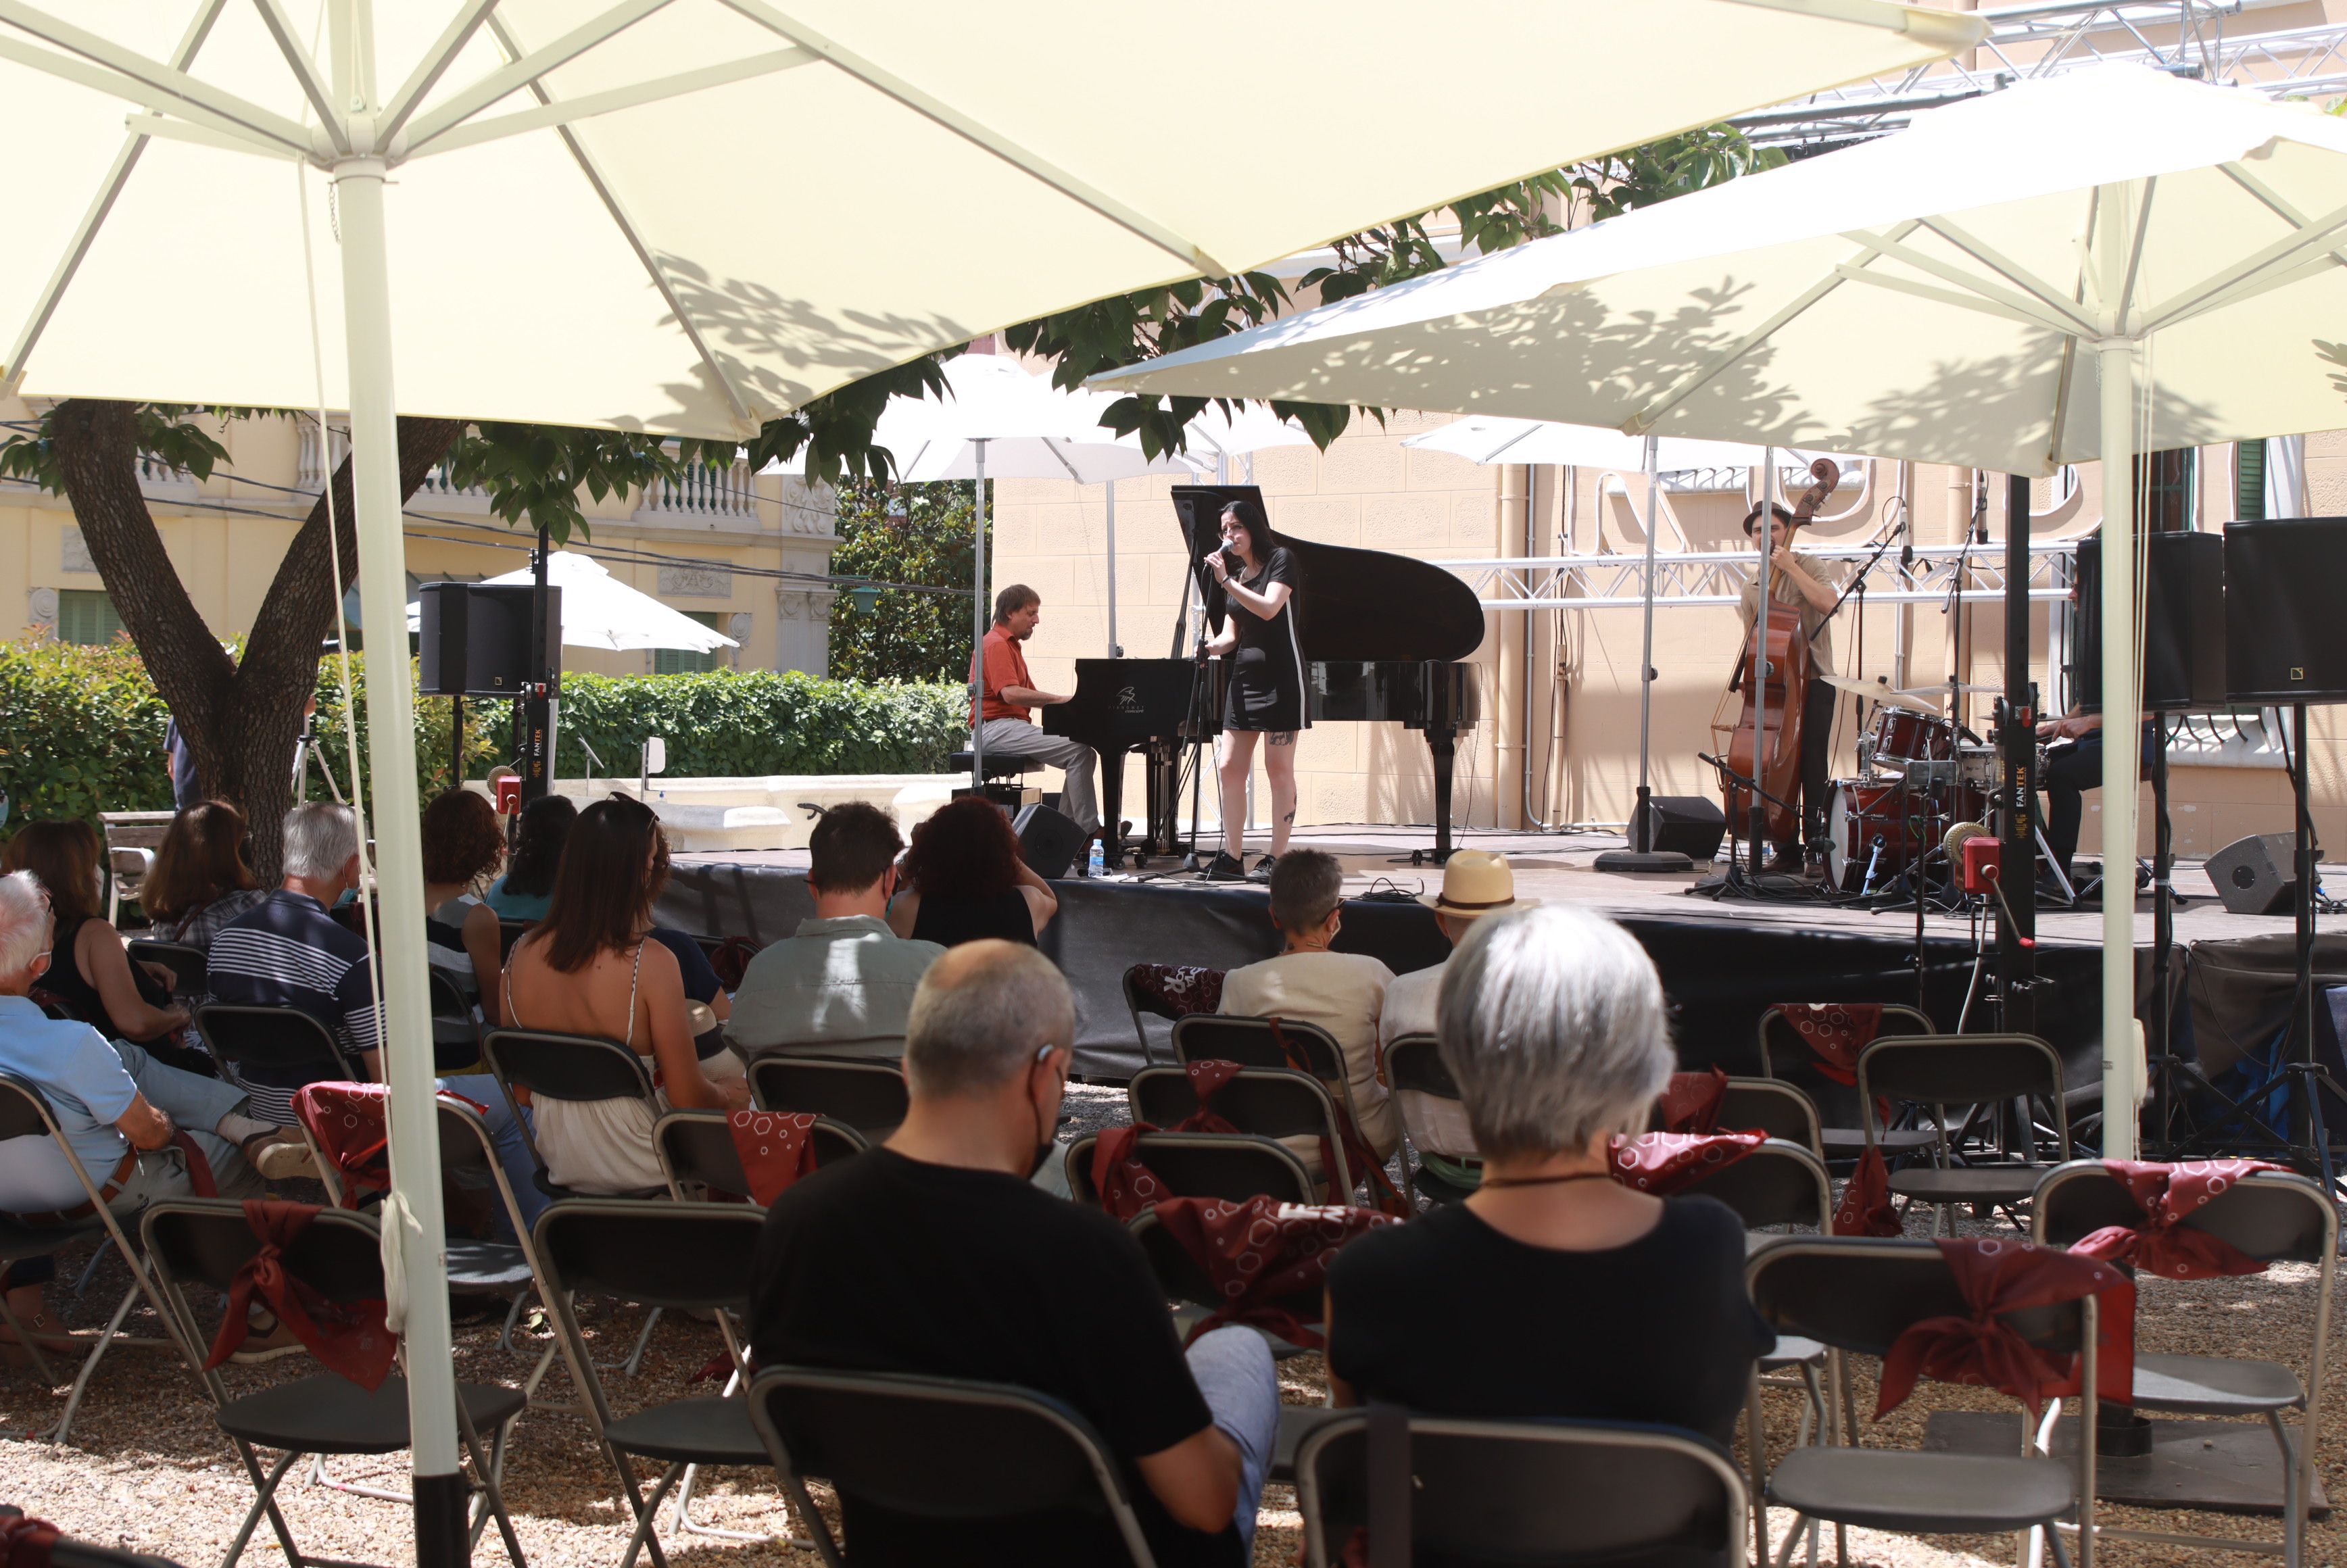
<point>147,1470</point>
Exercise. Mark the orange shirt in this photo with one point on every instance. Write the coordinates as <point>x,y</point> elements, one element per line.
<point>1005,665</point>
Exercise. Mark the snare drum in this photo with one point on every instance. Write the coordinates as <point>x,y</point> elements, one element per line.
<point>1978,766</point>
<point>1876,828</point>
<point>1904,735</point>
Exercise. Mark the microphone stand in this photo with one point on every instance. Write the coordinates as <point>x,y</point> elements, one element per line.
<point>1642,854</point>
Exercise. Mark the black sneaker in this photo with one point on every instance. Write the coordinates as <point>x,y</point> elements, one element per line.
<point>1226,868</point>
<point>1262,872</point>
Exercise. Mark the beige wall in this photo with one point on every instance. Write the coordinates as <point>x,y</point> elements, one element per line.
<point>1368,490</point>
<point>226,536</point>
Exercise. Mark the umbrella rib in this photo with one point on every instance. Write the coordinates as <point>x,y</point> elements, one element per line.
<point>2027,305</point>
<point>113,84</point>
<point>2221,288</point>
<point>132,69</point>
<point>566,111</point>
<point>11,370</point>
<point>2021,277</point>
<point>403,105</point>
<point>1964,299</point>
<point>1139,224</point>
<point>2135,251</point>
<point>529,67</point>
<point>305,72</point>
<point>627,226</point>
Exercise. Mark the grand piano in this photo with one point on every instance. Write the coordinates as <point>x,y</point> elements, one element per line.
<point>1383,636</point>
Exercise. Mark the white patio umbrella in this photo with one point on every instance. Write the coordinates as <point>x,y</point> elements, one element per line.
<point>2083,267</point>
<point>598,610</point>
<point>603,218</point>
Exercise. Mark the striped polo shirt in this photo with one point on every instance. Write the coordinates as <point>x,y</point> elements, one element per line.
<point>285,952</point>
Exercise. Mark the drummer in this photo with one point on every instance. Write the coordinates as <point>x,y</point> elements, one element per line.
<point>1815,588</point>
<point>2073,764</point>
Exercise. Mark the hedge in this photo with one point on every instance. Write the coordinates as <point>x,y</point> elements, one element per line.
<point>729,725</point>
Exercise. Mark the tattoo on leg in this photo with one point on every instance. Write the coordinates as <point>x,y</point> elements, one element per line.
<point>1290,817</point>
<point>1282,737</point>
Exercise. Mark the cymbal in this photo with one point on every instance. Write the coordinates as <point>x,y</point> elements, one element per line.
<point>1880,691</point>
<point>1938,686</point>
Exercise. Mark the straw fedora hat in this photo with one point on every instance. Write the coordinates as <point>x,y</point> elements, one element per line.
<point>1475,882</point>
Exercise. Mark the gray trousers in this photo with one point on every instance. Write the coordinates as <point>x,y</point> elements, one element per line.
<point>1017,738</point>
<point>195,1104</point>
<point>1234,1371</point>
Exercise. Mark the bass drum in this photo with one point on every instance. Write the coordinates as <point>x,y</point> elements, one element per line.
<point>1876,828</point>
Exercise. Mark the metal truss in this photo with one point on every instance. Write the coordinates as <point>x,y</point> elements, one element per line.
<point>2183,36</point>
<point>1690,579</point>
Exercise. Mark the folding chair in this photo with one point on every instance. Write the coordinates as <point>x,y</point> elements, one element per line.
<point>1274,1102</point>
<point>510,932</point>
<point>2272,1217</point>
<point>1186,1283</point>
<point>1860,1293</point>
<point>696,1150</point>
<point>1138,1002</point>
<point>940,1447</point>
<point>340,1255</point>
<point>1202,1165</point>
<point>1518,1491</point>
<point>456,1031</point>
<point>1768,1105</point>
<point>1941,1070</point>
<point>186,964</point>
<point>1250,1042</point>
<point>1786,1058</point>
<point>864,1093</point>
<point>693,1258</point>
<point>24,1112</point>
<point>575,1067</point>
<point>279,1039</point>
<point>1414,1066</point>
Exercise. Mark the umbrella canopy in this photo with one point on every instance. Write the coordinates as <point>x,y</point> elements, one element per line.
<point>1216,434</point>
<point>1031,429</point>
<point>2079,267</point>
<point>598,610</point>
<point>688,217</point>
<point>1479,439</point>
<point>649,169</point>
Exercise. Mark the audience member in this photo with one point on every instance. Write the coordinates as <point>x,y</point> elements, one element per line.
<point>592,966</point>
<point>117,1107</point>
<point>462,844</point>
<point>1588,1298</point>
<point>1343,993</point>
<point>523,892</point>
<point>843,983</point>
<point>934,1253</point>
<point>965,879</point>
<point>285,952</point>
<point>91,970</point>
<point>1475,883</point>
<point>201,879</point>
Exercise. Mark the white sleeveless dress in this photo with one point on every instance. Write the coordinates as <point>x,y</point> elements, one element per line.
<point>597,1146</point>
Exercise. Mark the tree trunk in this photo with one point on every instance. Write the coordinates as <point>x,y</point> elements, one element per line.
<point>241,721</point>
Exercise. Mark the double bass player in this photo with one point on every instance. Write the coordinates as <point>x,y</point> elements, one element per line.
<point>1812,587</point>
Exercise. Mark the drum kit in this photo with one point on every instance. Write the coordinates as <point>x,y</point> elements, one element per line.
<point>1921,774</point>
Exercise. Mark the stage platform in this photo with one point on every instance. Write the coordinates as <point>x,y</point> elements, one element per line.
<point>1723,962</point>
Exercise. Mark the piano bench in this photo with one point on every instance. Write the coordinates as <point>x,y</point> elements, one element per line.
<point>997,767</point>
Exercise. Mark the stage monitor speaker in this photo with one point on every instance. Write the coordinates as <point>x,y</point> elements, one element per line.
<point>1048,841</point>
<point>2282,578</point>
<point>2256,876</point>
<point>1691,825</point>
<point>474,638</point>
<point>2183,624</point>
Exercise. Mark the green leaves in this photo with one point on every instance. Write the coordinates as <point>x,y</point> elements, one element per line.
<point>534,473</point>
<point>84,731</point>
<point>1676,165</point>
<point>724,724</point>
<point>166,432</point>
<point>911,534</point>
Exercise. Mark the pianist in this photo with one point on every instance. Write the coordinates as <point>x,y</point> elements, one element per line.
<point>1011,698</point>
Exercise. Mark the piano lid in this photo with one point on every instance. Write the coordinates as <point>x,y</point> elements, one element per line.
<point>1352,603</point>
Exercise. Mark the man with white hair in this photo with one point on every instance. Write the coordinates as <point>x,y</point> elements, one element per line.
<point>118,1107</point>
<point>285,952</point>
<point>934,1253</point>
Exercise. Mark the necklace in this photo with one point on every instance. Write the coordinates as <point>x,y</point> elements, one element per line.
<point>1491,1181</point>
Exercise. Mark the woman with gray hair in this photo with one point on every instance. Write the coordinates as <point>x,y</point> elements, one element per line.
<point>1585,1299</point>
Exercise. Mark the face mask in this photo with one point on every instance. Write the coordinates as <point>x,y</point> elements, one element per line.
<point>1045,1144</point>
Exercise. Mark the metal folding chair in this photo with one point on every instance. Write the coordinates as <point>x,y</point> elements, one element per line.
<point>1414,1066</point>
<point>281,1039</point>
<point>696,1150</point>
<point>1234,1166</point>
<point>186,963</point>
<point>1251,1042</point>
<point>1274,1102</point>
<point>863,1093</point>
<point>1787,1059</point>
<point>1961,1071</point>
<point>575,1067</point>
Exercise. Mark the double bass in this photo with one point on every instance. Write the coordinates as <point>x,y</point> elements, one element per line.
<point>1773,673</point>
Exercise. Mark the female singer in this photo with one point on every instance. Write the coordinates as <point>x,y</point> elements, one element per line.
<point>1266,686</point>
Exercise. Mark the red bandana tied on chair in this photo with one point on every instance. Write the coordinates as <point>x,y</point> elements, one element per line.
<point>347,1336</point>
<point>1691,1101</point>
<point>1125,1185</point>
<point>1834,1033</point>
<point>1666,1163</point>
<point>1865,1208</point>
<point>1206,1079</point>
<point>1176,991</point>
<point>26,1541</point>
<point>1998,1277</point>
<point>2162,1245</point>
<point>1262,1250</point>
<point>775,1150</point>
<point>347,1122</point>
<point>1359,1157</point>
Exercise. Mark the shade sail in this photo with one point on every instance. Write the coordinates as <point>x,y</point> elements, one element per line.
<point>598,610</point>
<point>698,264</point>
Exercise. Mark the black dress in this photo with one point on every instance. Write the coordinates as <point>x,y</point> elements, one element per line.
<point>1266,686</point>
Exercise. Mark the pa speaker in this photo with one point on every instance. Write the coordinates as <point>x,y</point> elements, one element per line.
<point>474,638</point>
<point>1048,841</point>
<point>1692,824</point>
<point>2183,624</point>
<point>2283,581</point>
<point>2257,875</point>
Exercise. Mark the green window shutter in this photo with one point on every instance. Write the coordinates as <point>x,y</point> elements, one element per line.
<point>2248,480</point>
<point>683,661</point>
<point>85,615</point>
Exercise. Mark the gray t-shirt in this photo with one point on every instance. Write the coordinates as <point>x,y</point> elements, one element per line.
<point>1783,589</point>
<point>841,987</point>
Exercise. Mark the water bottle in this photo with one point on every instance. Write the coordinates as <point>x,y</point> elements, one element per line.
<point>1095,864</point>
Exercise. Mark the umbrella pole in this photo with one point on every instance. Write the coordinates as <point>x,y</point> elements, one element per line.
<point>1114,651</point>
<point>440,1494</point>
<point>2121,720</point>
<point>978,636</point>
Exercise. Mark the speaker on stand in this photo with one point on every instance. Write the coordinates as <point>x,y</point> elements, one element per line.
<point>474,641</point>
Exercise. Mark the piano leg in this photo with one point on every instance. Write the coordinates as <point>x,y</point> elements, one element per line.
<point>1164,797</point>
<point>1443,744</point>
<point>1111,799</point>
